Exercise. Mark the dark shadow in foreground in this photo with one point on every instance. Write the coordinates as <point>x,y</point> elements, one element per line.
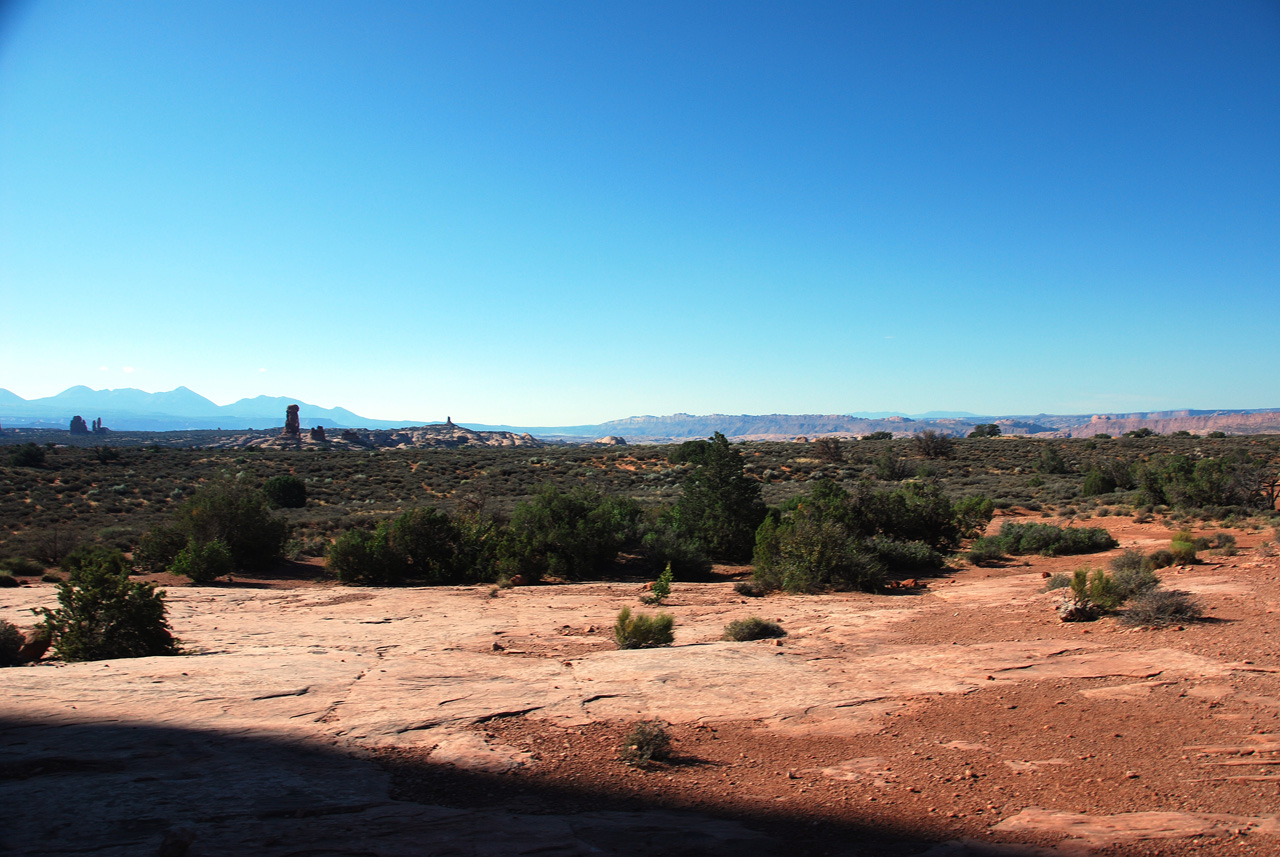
<point>130,789</point>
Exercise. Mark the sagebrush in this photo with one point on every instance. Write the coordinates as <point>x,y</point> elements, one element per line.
<point>643,631</point>
<point>648,741</point>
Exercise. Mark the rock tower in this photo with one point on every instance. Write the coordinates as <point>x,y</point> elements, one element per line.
<point>292,428</point>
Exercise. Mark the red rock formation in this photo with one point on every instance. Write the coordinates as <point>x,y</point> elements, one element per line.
<point>37,643</point>
<point>78,425</point>
<point>292,428</point>
<point>317,433</point>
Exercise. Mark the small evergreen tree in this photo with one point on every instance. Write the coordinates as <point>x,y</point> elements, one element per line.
<point>661,587</point>
<point>103,614</point>
<point>1051,461</point>
<point>720,508</point>
<point>828,449</point>
<point>285,492</point>
<point>230,512</point>
<point>361,556</point>
<point>932,444</point>
<point>570,533</point>
<point>203,563</point>
<point>27,455</point>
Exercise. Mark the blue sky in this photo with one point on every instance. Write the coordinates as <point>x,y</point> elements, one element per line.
<point>560,213</point>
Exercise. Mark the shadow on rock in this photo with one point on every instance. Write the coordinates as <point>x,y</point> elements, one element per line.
<point>115,789</point>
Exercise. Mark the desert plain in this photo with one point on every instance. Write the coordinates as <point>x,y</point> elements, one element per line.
<point>958,717</point>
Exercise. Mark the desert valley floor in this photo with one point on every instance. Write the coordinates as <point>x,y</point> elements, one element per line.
<point>958,718</point>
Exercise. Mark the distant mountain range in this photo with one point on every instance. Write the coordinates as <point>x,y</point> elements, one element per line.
<point>679,427</point>
<point>180,409</point>
<point>183,409</point>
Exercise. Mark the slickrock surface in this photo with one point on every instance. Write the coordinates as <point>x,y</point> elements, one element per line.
<point>962,718</point>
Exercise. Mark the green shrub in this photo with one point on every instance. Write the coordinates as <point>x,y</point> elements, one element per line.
<point>1160,559</point>
<point>1183,547</point>
<point>878,435</point>
<point>648,741</point>
<point>665,546</point>
<point>241,518</point>
<point>719,506</point>
<point>1057,580</point>
<point>1232,480</point>
<point>1133,574</point>
<point>808,554</point>
<point>11,643</point>
<point>360,556</point>
<point>1096,482</point>
<point>931,444</point>
<point>430,544</point>
<point>1093,586</point>
<point>285,492</point>
<point>898,555</point>
<point>1157,608</point>
<point>972,515</point>
<point>229,512</point>
<point>157,549</point>
<point>828,449</point>
<point>986,549</point>
<point>752,628</point>
<point>690,452</point>
<point>642,631</point>
<point>8,581</point>
<point>836,539</point>
<point>1048,540</point>
<point>203,563</point>
<point>26,455</point>
<point>102,614</point>
<point>21,567</point>
<point>569,533</point>
<point>916,512</point>
<point>890,468</point>
<point>1223,544</point>
<point>1131,559</point>
<point>423,545</point>
<point>1050,461</point>
<point>661,587</point>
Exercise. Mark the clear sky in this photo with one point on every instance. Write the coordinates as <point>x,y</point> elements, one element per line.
<point>544,213</point>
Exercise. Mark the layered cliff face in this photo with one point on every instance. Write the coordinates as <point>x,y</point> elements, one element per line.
<point>679,427</point>
<point>1267,422</point>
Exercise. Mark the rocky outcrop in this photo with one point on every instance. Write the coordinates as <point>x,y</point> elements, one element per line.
<point>445,435</point>
<point>612,440</point>
<point>1266,422</point>
<point>78,425</point>
<point>292,427</point>
<point>36,645</point>
<point>262,739</point>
